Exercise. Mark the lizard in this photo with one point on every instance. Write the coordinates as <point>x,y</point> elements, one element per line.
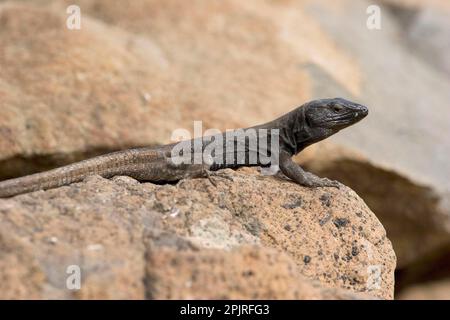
<point>310,123</point>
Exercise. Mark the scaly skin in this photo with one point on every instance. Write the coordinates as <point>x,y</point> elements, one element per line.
<point>305,125</point>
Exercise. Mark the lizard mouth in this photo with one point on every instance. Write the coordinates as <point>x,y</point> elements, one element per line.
<point>353,115</point>
<point>347,119</point>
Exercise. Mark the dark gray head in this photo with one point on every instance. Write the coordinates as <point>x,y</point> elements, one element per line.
<point>334,114</point>
<point>322,118</point>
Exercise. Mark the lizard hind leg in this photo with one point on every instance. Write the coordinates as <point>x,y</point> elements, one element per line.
<point>187,170</point>
<point>192,171</point>
<point>203,171</point>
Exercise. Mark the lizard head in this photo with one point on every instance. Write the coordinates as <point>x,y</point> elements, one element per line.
<point>332,115</point>
<point>322,118</point>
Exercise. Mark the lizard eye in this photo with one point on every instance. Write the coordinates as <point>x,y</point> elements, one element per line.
<point>337,108</point>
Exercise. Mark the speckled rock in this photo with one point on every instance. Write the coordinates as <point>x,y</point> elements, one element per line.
<point>242,273</point>
<point>251,236</point>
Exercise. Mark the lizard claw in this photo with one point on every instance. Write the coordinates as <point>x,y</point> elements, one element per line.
<point>314,181</point>
<point>209,175</point>
<point>330,183</point>
<point>213,174</point>
<point>325,182</point>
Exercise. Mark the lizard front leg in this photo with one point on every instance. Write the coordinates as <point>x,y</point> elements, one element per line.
<point>293,171</point>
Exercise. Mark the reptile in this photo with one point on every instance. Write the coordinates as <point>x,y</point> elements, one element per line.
<point>303,126</point>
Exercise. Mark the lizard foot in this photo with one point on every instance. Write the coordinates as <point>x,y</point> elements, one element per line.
<point>325,182</point>
<point>208,174</point>
<point>211,175</point>
<point>314,181</point>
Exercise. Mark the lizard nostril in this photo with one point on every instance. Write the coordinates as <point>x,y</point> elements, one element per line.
<point>364,110</point>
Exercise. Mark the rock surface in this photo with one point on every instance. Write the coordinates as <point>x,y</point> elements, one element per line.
<point>136,72</point>
<point>252,236</point>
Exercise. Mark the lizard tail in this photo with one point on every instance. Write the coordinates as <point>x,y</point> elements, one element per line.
<point>106,166</point>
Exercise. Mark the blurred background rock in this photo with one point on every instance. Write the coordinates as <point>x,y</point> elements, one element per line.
<point>138,70</point>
